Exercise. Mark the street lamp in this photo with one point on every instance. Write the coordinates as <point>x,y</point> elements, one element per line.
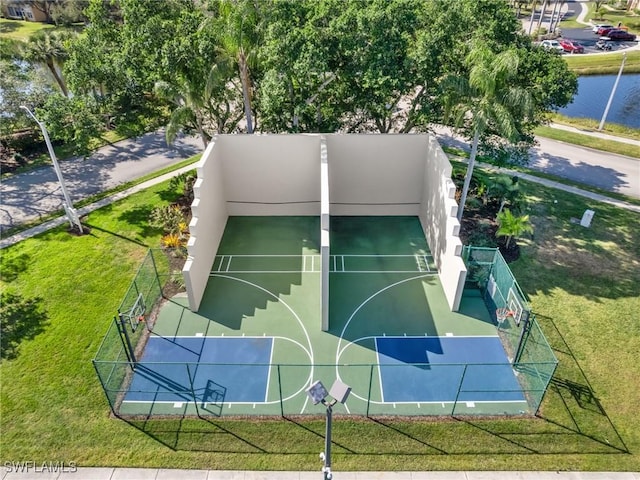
<point>613,92</point>
<point>318,394</point>
<point>72,215</point>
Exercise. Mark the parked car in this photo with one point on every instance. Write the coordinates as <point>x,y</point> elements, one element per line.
<point>571,46</point>
<point>604,30</point>
<point>552,45</point>
<point>598,26</point>
<point>604,43</point>
<point>617,34</point>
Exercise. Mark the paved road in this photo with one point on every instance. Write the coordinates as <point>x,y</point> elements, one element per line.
<point>613,173</point>
<point>29,196</point>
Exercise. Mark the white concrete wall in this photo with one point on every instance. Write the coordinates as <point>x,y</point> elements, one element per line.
<point>272,174</point>
<point>325,250</point>
<point>376,174</point>
<point>302,174</point>
<point>441,227</point>
<point>208,221</point>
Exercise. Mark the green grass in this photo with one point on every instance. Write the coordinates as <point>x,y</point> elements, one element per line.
<point>456,154</point>
<point>21,30</point>
<point>605,63</point>
<point>583,284</point>
<point>589,141</point>
<point>591,125</point>
<point>94,198</point>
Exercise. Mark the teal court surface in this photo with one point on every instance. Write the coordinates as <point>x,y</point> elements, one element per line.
<point>256,343</point>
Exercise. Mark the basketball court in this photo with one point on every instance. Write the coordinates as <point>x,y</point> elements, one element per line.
<point>255,344</point>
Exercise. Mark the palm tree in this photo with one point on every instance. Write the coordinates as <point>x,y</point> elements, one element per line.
<point>507,189</point>
<point>205,108</point>
<point>48,49</point>
<point>512,226</point>
<point>237,23</point>
<point>487,100</point>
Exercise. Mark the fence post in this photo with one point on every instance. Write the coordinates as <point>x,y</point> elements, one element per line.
<point>126,342</point>
<point>104,388</point>
<point>524,336</point>
<point>280,390</point>
<point>193,392</point>
<point>455,402</point>
<point>155,270</point>
<point>369,395</point>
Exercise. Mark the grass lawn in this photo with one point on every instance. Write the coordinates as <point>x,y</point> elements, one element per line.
<point>596,143</point>
<point>591,125</point>
<point>21,30</point>
<point>603,63</point>
<point>583,284</point>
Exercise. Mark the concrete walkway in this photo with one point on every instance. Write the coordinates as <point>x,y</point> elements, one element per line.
<point>165,474</point>
<point>589,133</point>
<point>56,222</point>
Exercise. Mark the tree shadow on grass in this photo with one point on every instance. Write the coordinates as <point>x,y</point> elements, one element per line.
<point>139,216</point>
<point>22,319</point>
<point>13,265</point>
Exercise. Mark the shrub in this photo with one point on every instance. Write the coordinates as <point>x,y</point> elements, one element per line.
<point>168,218</point>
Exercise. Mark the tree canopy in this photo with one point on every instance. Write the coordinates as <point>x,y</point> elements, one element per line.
<point>300,66</point>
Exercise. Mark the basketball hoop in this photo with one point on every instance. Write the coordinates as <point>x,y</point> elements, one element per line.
<point>502,314</point>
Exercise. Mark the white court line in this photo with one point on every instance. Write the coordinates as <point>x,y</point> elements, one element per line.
<point>379,371</point>
<point>344,329</point>
<point>298,319</point>
<point>266,387</point>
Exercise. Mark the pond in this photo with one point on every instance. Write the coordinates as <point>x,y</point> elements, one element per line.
<point>593,94</point>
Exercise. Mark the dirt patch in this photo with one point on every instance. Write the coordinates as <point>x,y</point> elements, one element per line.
<point>479,226</point>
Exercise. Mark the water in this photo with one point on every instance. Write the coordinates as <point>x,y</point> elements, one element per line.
<point>593,94</point>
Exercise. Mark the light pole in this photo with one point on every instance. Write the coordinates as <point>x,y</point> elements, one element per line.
<point>72,215</point>
<point>613,92</point>
<point>317,393</point>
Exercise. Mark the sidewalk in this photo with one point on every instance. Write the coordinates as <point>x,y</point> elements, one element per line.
<point>43,227</point>
<point>604,136</point>
<point>165,474</point>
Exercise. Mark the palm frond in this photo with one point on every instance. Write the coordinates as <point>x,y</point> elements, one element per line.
<point>180,117</point>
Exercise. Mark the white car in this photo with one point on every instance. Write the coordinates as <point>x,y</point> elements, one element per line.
<point>598,26</point>
<point>552,45</point>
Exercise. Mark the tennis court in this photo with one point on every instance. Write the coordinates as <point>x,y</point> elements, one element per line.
<point>256,342</point>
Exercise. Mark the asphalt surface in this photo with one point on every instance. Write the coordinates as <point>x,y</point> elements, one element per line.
<point>610,172</point>
<point>29,196</point>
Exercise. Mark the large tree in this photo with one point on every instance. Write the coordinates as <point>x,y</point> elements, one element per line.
<point>487,99</point>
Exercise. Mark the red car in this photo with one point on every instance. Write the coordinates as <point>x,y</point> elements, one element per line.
<point>617,34</point>
<point>604,30</point>
<point>570,46</point>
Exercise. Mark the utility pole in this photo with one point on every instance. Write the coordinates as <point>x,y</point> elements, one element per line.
<point>71,213</point>
<point>613,92</point>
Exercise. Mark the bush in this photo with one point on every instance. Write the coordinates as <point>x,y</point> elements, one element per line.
<point>168,218</point>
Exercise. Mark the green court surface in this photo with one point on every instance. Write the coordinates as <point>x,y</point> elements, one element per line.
<point>265,282</point>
